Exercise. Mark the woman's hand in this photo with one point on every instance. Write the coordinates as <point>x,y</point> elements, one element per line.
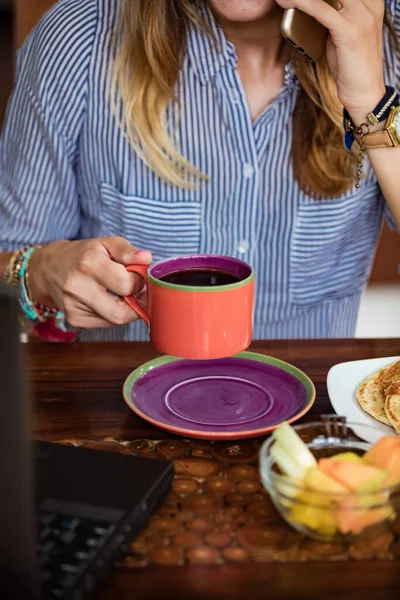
<point>77,277</point>
<point>354,49</point>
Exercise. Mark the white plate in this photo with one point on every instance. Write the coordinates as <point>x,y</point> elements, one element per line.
<point>342,382</point>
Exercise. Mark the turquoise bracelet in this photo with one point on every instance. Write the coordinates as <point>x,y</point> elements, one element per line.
<point>34,311</point>
<point>27,306</point>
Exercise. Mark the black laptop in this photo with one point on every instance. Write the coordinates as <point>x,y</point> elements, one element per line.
<point>65,513</point>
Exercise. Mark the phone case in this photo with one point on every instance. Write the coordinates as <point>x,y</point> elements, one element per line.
<point>305,33</point>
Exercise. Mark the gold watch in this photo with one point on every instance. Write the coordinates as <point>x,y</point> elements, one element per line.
<point>388,137</point>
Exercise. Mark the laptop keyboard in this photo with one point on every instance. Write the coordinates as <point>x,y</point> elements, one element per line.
<point>66,545</point>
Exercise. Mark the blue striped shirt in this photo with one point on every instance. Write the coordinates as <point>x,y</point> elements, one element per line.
<point>67,172</point>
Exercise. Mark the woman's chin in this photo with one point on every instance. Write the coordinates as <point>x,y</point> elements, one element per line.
<point>242,11</point>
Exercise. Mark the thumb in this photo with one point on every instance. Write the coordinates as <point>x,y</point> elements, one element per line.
<point>121,251</point>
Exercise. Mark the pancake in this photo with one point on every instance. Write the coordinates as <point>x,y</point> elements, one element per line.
<point>379,395</point>
<point>392,409</point>
<point>388,380</point>
<point>371,399</point>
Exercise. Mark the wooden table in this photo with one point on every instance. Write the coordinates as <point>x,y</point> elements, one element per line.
<point>77,391</point>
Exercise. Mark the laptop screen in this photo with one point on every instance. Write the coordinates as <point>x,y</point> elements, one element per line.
<point>18,577</point>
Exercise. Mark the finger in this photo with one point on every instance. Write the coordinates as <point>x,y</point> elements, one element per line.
<point>92,322</point>
<point>86,319</point>
<point>89,320</point>
<point>96,263</point>
<point>121,251</point>
<point>83,317</point>
<point>84,291</point>
<point>115,277</point>
<point>377,7</point>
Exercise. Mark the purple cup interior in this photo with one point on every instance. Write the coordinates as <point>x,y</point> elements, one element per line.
<point>201,261</point>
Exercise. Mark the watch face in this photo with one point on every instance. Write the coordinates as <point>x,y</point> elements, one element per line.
<point>396,123</point>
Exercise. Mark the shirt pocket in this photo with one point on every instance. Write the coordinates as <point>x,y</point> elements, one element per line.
<point>165,228</point>
<point>333,244</point>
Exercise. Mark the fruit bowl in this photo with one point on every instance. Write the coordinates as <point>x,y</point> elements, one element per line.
<point>336,514</point>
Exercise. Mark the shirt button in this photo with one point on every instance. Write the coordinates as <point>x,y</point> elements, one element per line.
<point>235,96</point>
<point>243,246</point>
<point>248,170</point>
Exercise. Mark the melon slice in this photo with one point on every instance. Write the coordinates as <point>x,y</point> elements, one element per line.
<point>393,468</point>
<point>317,480</point>
<point>326,465</point>
<point>352,518</point>
<point>380,452</point>
<point>385,454</point>
<point>357,477</point>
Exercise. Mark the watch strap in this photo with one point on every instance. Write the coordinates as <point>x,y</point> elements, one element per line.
<point>378,115</point>
<point>378,139</point>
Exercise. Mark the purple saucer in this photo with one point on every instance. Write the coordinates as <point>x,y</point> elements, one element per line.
<point>230,398</point>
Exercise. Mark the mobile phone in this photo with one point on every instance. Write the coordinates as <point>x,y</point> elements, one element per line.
<point>305,33</point>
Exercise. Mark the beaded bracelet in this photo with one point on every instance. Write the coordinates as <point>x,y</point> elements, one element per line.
<point>48,323</point>
<point>17,273</point>
<point>12,271</point>
<point>28,308</point>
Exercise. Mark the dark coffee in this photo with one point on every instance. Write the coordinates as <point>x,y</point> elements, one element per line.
<point>200,277</point>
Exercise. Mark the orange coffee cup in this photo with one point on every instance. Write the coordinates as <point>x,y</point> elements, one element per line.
<point>200,321</point>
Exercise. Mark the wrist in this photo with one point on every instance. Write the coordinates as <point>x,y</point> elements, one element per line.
<point>358,112</point>
<point>38,269</point>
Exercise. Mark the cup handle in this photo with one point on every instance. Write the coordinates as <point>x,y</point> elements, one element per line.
<point>132,301</point>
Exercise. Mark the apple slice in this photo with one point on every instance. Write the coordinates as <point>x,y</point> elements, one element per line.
<point>294,446</point>
<point>348,456</point>
<point>315,512</point>
<point>286,462</point>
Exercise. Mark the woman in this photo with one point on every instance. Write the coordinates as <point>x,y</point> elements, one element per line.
<point>180,126</point>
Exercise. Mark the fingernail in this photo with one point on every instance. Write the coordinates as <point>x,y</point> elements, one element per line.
<point>137,252</point>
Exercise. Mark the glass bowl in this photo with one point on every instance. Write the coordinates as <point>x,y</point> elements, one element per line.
<point>329,517</point>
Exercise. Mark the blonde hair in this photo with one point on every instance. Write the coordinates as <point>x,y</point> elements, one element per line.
<point>151,42</point>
